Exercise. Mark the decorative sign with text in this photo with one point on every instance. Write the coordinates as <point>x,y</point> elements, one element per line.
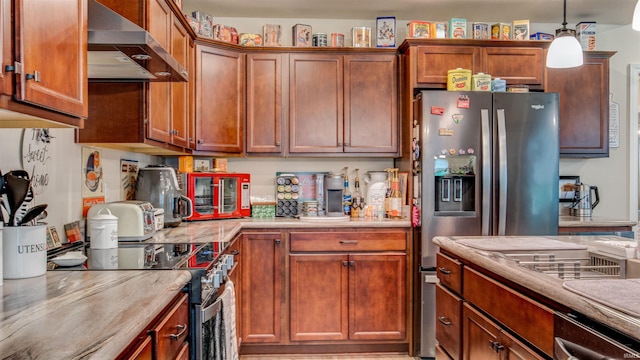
<point>36,157</point>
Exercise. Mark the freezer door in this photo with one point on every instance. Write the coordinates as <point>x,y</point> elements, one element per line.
<point>453,164</point>
<point>526,153</point>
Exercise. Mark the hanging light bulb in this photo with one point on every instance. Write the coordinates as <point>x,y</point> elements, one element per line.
<point>565,50</point>
<point>635,25</point>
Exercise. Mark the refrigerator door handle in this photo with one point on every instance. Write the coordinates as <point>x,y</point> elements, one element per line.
<point>457,190</point>
<point>486,170</point>
<point>502,175</point>
<point>445,192</point>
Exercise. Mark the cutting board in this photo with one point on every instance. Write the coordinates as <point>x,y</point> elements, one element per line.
<point>620,294</point>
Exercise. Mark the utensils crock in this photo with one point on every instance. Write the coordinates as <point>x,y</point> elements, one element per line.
<point>24,250</point>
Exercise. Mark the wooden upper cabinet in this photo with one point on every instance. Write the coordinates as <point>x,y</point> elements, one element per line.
<point>584,105</point>
<point>264,103</point>
<point>219,99</point>
<point>434,62</point>
<point>51,49</point>
<point>316,96</point>
<point>180,114</point>
<point>370,103</point>
<point>515,65</point>
<point>6,46</point>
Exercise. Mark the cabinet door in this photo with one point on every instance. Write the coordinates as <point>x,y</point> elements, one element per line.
<point>319,296</point>
<point>235,275</point>
<point>515,65</point>
<point>515,350</point>
<point>180,90</point>
<point>584,106</point>
<point>448,321</point>
<point>435,61</point>
<point>159,113</point>
<point>170,333</point>
<point>262,278</point>
<point>264,103</point>
<point>377,295</point>
<point>6,46</point>
<point>316,103</point>
<point>219,99</point>
<point>371,104</point>
<point>191,67</point>
<point>51,45</point>
<point>480,335</point>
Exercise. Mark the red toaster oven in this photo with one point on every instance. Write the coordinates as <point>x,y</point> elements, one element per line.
<point>217,195</point>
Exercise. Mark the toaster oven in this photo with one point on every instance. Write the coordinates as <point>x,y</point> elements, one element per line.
<point>217,195</point>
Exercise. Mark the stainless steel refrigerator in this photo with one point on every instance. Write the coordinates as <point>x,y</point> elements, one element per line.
<point>487,164</point>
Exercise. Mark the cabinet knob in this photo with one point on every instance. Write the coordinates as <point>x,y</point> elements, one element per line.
<point>277,241</point>
<point>346,144</point>
<point>277,143</point>
<point>235,252</point>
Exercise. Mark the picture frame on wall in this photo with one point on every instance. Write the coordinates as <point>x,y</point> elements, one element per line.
<point>566,187</point>
<point>386,31</point>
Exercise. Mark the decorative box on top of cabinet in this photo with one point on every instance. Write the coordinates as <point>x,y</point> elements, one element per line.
<point>584,105</point>
<point>343,104</point>
<point>31,81</point>
<point>517,62</point>
<point>153,117</point>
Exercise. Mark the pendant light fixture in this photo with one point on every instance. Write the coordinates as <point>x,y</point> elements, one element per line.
<point>635,25</point>
<point>565,50</point>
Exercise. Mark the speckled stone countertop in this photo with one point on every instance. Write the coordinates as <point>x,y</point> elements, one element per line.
<point>592,221</point>
<point>81,314</point>
<point>548,286</point>
<point>225,230</point>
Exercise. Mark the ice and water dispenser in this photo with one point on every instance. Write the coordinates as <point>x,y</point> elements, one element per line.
<point>455,179</point>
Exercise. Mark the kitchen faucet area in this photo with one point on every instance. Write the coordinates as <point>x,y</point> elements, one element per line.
<point>199,179</point>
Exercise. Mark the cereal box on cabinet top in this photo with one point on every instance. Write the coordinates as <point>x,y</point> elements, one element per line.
<point>586,34</point>
<point>418,29</point>
<point>501,31</point>
<point>302,35</point>
<point>247,39</point>
<point>458,28</point>
<point>225,33</point>
<point>520,30</point>
<point>439,29</point>
<point>541,36</point>
<point>480,31</point>
<point>206,24</point>
<point>386,31</point>
<point>272,35</point>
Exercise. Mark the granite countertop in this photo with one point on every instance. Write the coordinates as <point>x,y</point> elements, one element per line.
<point>545,285</point>
<point>226,230</point>
<point>592,221</point>
<point>82,314</point>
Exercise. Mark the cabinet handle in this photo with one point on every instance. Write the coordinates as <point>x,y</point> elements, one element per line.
<point>339,144</point>
<point>9,68</point>
<point>35,76</point>
<point>235,252</point>
<point>444,270</point>
<point>349,242</point>
<point>443,320</point>
<point>182,329</point>
<point>346,144</point>
<point>495,346</point>
<point>29,76</point>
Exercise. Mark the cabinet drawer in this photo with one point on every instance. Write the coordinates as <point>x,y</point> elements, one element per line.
<point>512,309</point>
<point>172,329</point>
<point>448,321</point>
<point>449,272</point>
<point>349,241</point>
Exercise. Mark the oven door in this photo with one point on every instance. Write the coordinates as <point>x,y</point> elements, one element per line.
<point>209,333</point>
<point>577,338</point>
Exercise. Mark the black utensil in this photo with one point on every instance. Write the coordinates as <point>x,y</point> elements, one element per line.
<point>32,214</point>
<point>17,189</point>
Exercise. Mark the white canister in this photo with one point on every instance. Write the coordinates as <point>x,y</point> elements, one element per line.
<point>24,250</point>
<point>103,231</point>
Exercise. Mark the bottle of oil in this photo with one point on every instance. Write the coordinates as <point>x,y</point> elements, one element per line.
<point>346,194</point>
<point>357,201</point>
<point>395,200</point>
<point>387,195</point>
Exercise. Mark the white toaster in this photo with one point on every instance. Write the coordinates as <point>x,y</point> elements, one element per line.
<point>136,219</point>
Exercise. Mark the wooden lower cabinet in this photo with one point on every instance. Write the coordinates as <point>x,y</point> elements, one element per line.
<point>448,321</point>
<point>483,339</point>
<point>142,351</point>
<point>347,296</point>
<point>262,287</point>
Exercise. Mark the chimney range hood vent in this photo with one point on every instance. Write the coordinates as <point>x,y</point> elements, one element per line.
<point>119,50</point>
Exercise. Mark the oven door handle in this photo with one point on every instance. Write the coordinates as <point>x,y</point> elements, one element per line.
<point>210,311</point>
<point>566,350</point>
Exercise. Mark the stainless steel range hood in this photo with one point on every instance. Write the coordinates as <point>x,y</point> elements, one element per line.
<point>119,50</point>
